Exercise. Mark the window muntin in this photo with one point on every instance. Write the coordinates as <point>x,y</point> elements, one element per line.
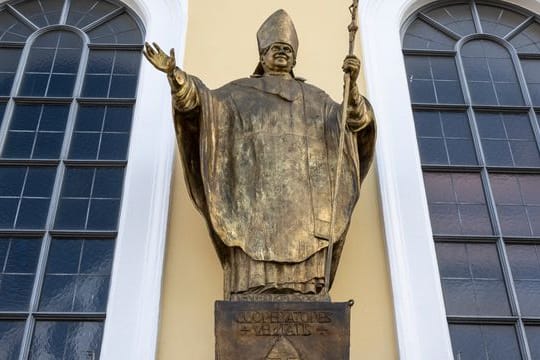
<point>83,13</point>
<point>457,204</point>
<point>41,12</point>
<point>498,21</point>
<point>433,79</point>
<point>77,275</point>
<point>531,70</point>
<point>524,261</point>
<point>18,260</point>
<point>63,339</point>
<point>8,66</point>
<point>36,131</point>
<point>485,342</point>
<point>63,155</point>
<point>90,199</point>
<point>421,35</point>
<point>458,18</point>
<point>482,196</point>
<point>472,279</point>
<point>120,30</point>
<point>111,73</point>
<point>52,66</point>
<point>490,74</point>
<point>101,132</point>
<point>25,195</point>
<point>444,137</point>
<point>12,29</point>
<point>528,41</point>
<point>507,139</point>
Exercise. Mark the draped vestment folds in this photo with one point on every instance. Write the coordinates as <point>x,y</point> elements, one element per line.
<point>260,158</point>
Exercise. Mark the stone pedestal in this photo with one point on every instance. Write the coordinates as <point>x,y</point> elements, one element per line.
<point>282,330</point>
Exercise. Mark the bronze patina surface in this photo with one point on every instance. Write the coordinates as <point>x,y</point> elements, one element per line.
<point>282,331</point>
<point>262,157</point>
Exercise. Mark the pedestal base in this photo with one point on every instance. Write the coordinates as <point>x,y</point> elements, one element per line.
<point>282,330</point>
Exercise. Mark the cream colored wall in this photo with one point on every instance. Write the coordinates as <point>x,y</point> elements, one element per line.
<point>221,46</point>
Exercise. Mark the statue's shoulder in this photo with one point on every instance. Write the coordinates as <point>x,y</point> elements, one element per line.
<point>290,90</point>
<point>309,88</point>
<point>234,85</point>
<point>246,82</point>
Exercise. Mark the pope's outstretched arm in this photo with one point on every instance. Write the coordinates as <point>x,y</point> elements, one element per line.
<point>183,89</point>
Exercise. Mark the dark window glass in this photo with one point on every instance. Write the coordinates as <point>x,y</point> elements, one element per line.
<point>518,203</point>
<point>111,73</point>
<point>455,17</point>
<point>8,66</point>
<point>12,29</point>
<point>533,337</point>
<point>490,74</point>
<point>82,13</point>
<point>77,275</point>
<point>507,139</point>
<point>472,279</point>
<point>528,41</point>
<point>525,263</point>
<point>41,12</point>
<point>52,65</point>
<point>500,194</point>
<point>457,204</point>
<point>25,194</point>
<point>36,131</point>
<point>120,30</point>
<point>531,70</point>
<point>423,36</point>
<point>498,21</point>
<point>19,258</point>
<point>2,111</point>
<point>484,342</point>
<point>101,133</point>
<point>66,340</point>
<point>433,79</point>
<point>90,199</point>
<point>444,137</point>
<point>11,334</point>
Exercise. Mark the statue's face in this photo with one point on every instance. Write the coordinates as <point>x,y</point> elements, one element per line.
<point>279,58</point>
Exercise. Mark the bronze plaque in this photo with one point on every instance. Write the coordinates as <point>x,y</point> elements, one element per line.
<point>282,330</point>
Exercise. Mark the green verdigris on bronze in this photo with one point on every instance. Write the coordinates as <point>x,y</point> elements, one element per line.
<point>260,156</point>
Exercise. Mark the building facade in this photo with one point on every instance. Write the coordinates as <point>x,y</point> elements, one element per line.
<point>103,255</point>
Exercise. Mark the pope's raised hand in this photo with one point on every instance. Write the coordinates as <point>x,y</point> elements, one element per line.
<point>158,58</point>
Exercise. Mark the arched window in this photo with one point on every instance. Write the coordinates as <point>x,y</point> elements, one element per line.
<point>68,75</point>
<point>473,69</point>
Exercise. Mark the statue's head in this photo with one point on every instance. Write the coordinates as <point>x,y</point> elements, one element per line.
<point>278,44</point>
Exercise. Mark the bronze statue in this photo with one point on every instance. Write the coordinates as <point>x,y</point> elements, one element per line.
<point>260,156</point>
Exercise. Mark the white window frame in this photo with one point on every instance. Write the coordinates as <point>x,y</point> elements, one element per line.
<point>131,327</point>
<point>421,324</point>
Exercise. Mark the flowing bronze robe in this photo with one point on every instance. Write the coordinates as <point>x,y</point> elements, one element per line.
<point>260,157</point>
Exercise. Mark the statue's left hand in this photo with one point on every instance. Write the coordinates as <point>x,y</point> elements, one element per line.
<point>351,65</point>
<point>158,58</point>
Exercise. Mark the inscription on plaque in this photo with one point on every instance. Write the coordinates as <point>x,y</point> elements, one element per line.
<point>282,330</point>
<point>282,323</point>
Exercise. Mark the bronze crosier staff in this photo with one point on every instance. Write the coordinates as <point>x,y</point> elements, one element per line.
<point>353,28</point>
